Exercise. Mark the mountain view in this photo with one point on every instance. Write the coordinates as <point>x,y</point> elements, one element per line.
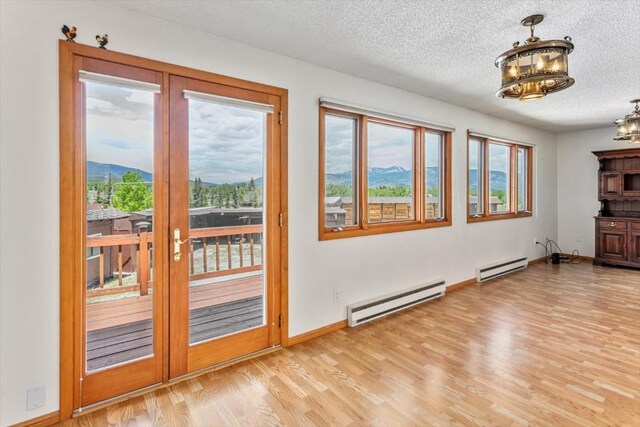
<point>497,179</point>
<point>97,171</point>
<point>395,176</point>
<point>390,177</point>
<point>131,190</point>
<point>100,171</point>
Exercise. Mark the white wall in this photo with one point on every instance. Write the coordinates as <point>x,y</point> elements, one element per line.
<point>578,186</point>
<point>359,268</point>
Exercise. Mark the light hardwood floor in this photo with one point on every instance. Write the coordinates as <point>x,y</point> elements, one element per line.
<point>547,346</point>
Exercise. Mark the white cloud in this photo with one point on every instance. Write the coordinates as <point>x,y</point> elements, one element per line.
<point>339,145</point>
<point>389,146</point>
<point>225,143</point>
<point>119,126</point>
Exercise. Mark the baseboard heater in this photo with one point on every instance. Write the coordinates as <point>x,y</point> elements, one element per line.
<point>492,271</point>
<point>384,305</point>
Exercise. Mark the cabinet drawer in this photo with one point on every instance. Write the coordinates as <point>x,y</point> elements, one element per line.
<point>635,226</point>
<point>613,223</point>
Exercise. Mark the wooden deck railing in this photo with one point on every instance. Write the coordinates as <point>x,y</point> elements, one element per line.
<point>221,238</point>
<point>202,236</point>
<point>143,243</point>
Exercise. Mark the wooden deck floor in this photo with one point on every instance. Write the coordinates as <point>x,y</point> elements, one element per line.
<point>132,310</point>
<point>548,346</point>
<point>121,330</point>
<point>122,343</point>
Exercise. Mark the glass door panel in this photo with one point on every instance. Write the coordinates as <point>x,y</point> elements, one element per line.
<point>226,217</point>
<point>119,220</point>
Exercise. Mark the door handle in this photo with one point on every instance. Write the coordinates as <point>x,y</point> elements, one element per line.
<point>177,243</point>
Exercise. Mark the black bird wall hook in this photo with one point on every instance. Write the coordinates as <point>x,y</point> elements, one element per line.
<point>102,41</point>
<point>69,33</point>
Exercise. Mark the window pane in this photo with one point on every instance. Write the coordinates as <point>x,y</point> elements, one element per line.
<point>522,179</point>
<point>476,206</point>
<point>339,185</point>
<point>390,173</point>
<point>119,126</point>
<point>227,192</point>
<point>433,175</point>
<point>499,178</point>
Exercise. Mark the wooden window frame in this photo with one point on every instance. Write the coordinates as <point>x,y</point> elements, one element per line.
<point>483,171</point>
<point>360,201</point>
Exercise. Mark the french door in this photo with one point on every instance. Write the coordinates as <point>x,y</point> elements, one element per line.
<point>172,200</point>
<point>119,205</point>
<point>224,217</point>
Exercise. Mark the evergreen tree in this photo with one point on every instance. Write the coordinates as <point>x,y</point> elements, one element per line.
<point>109,190</point>
<point>235,197</point>
<point>198,197</point>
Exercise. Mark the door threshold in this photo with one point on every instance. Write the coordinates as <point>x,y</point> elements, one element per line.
<point>123,397</point>
<point>224,364</point>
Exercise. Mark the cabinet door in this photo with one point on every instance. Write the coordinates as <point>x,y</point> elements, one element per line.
<point>634,247</point>
<point>613,244</point>
<point>610,184</point>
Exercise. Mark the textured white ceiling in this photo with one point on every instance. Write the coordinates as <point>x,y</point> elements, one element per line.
<point>441,49</point>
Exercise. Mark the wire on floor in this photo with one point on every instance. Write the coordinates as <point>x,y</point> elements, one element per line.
<point>574,258</point>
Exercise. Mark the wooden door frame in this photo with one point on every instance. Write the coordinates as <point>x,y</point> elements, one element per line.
<point>71,248</point>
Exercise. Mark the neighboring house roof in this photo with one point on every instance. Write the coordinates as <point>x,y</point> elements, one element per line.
<point>405,200</point>
<point>105,214</point>
<point>409,200</point>
<point>494,200</point>
<point>333,210</point>
<point>204,211</point>
<point>332,201</point>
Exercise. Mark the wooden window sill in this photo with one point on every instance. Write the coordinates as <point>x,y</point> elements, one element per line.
<point>497,217</point>
<point>385,228</point>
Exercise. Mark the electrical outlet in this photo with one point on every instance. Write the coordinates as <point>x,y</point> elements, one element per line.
<point>35,397</point>
<point>535,241</point>
<point>336,296</point>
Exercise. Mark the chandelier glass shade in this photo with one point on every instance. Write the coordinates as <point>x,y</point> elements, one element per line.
<point>536,68</point>
<point>629,127</point>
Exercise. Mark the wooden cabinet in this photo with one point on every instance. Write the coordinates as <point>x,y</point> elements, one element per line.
<point>618,222</point>
<point>634,252</point>
<point>610,184</point>
<point>613,243</point>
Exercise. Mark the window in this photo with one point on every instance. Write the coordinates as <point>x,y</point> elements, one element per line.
<point>476,183</point>
<point>523,183</point>
<point>390,153</point>
<point>381,176</point>
<point>341,133</point>
<point>499,179</point>
<point>433,168</point>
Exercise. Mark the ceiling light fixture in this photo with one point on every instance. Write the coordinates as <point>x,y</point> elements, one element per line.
<point>536,68</point>
<point>629,127</point>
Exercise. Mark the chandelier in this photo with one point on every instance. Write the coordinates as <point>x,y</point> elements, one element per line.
<point>536,68</point>
<point>629,127</point>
